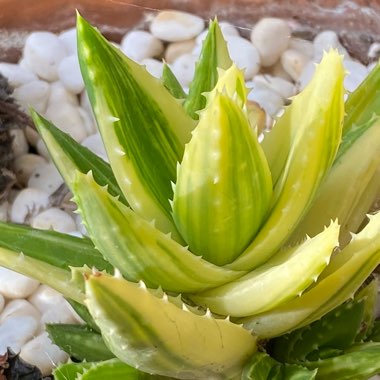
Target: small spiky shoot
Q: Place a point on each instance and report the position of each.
(212, 255)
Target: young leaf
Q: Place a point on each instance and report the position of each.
(79, 342)
(263, 367)
(58, 249)
(154, 335)
(171, 83)
(294, 270)
(337, 283)
(223, 184)
(139, 250)
(214, 55)
(305, 147)
(69, 156)
(143, 127)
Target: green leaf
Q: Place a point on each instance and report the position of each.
(360, 362)
(79, 342)
(143, 127)
(214, 55)
(368, 295)
(263, 367)
(57, 278)
(171, 83)
(223, 184)
(83, 312)
(294, 270)
(336, 330)
(139, 250)
(110, 369)
(300, 151)
(149, 332)
(337, 283)
(364, 102)
(69, 156)
(55, 248)
(358, 166)
(70, 371)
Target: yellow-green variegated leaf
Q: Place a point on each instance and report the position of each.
(282, 278)
(346, 193)
(144, 128)
(57, 278)
(300, 153)
(148, 332)
(139, 250)
(214, 55)
(223, 184)
(337, 283)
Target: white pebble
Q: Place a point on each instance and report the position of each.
(43, 51)
(306, 75)
(357, 72)
(15, 74)
(70, 75)
(16, 285)
(374, 50)
(95, 144)
(267, 99)
(54, 219)
(303, 46)
(294, 62)
(31, 135)
(19, 142)
(176, 26)
(15, 332)
(184, 67)
(59, 94)
(42, 150)
(2, 303)
(19, 308)
(153, 66)
(245, 55)
(271, 37)
(42, 353)
(68, 119)
(278, 71)
(325, 41)
(28, 203)
(69, 39)
(24, 166)
(283, 87)
(46, 177)
(140, 44)
(89, 121)
(4, 211)
(34, 94)
(176, 49)
(48, 300)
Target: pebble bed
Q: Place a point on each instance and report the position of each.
(47, 78)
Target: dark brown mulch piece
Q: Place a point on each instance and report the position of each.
(10, 117)
(12, 367)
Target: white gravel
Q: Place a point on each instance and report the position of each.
(48, 78)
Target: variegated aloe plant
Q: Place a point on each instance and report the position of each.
(211, 255)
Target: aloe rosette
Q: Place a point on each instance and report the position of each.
(210, 254)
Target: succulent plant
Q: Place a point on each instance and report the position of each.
(213, 254)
